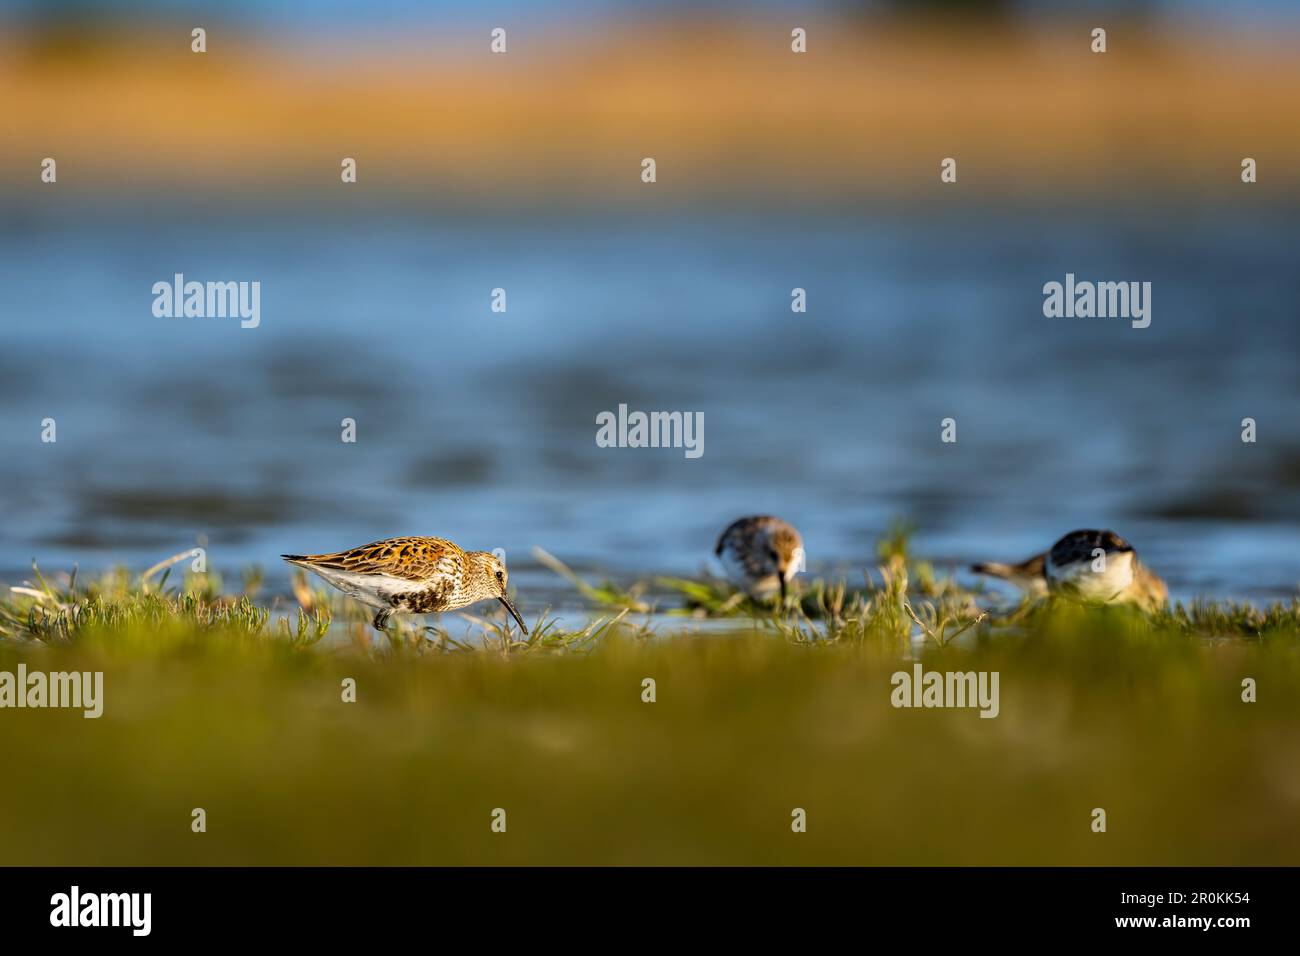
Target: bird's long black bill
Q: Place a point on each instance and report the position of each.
(782, 579)
(511, 608)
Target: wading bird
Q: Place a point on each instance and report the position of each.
(761, 555)
(1091, 567)
(413, 575)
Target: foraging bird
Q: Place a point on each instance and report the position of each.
(1074, 569)
(761, 554)
(413, 575)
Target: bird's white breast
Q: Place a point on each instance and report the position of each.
(1080, 580)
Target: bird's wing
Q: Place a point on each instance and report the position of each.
(411, 559)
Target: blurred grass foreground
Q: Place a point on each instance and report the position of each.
(208, 703)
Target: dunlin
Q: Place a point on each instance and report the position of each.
(1072, 569)
(413, 576)
(761, 554)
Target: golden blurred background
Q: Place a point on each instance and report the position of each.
(717, 98)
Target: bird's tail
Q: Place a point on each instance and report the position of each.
(994, 569)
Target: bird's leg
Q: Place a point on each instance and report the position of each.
(380, 622)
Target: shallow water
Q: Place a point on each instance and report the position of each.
(481, 427)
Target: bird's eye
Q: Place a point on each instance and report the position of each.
(500, 576)
(774, 556)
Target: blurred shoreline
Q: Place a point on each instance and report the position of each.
(727, 110)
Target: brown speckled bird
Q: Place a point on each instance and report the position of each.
(1068, 570)
(413, 575)
(761, 554)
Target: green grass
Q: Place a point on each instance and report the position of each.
(217, 700)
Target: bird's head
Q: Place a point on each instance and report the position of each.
(1113, 543)
(785, 552)
(488, 572)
